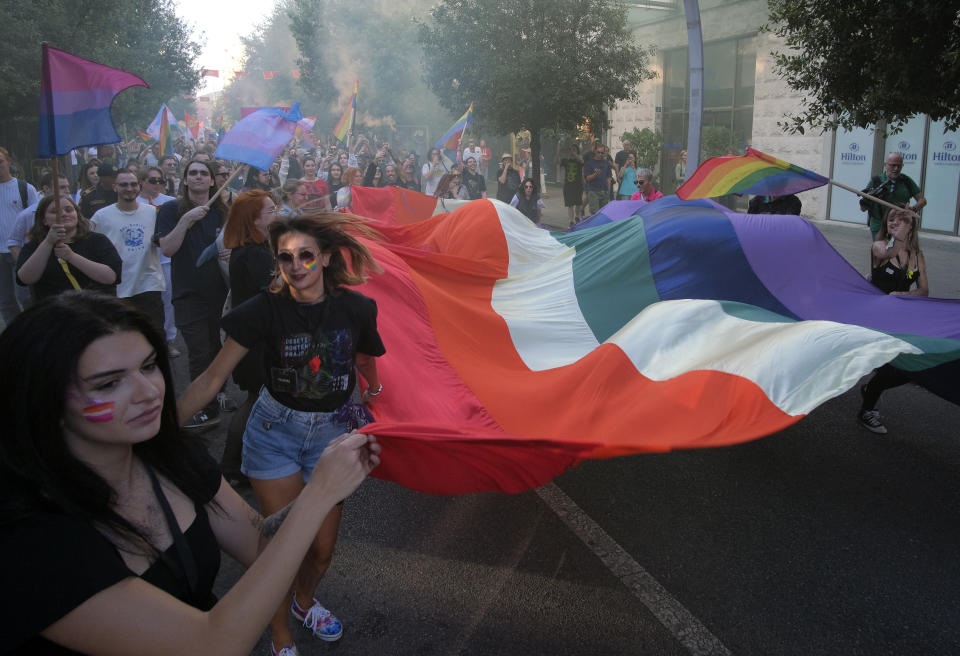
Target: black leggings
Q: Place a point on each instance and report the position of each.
(887, 377)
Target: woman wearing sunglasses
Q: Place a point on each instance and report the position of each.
(315, 335)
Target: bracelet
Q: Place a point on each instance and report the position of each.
(377, 393)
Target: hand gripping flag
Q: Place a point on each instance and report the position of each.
(75, 99)
(753, 173)
(514, 353)
(349, 119)
(260, 137)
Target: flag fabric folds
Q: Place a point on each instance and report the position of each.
(193, 125)
(75, 99)
(514, 353)
(450, 141)
(165, 136)
(349, 119)
(260, 137)
(753, 173)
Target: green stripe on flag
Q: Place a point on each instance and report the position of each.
(599, 259)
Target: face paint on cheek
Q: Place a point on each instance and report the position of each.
(99, 412)
(310, 266)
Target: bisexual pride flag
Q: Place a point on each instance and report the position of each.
(753, 173)
(260, 137)
(513, 353)
(75, 99)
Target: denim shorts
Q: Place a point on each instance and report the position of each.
(278, 441)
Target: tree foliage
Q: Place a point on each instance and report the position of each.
(647, 144)
(862, 62)
(306, 27)
(531, 64)
(144, 37)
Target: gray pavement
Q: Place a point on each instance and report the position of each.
(821, 539)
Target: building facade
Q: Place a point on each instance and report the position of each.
(744, 101)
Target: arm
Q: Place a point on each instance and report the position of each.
(96, 271)
(142, 619)
(32, 270)
(202, 390)
(921, 202)
(367, 366)
(173, 240)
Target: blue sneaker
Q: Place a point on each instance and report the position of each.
(319, 620)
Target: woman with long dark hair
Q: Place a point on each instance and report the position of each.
(112, 523)
(527, 200)
(316, 334)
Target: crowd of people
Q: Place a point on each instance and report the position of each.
(143, 248)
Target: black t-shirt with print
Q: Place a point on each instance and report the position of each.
(309, 348)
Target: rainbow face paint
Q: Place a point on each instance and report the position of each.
(99, 413)
(311, 265)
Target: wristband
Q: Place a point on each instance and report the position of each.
(377, 393)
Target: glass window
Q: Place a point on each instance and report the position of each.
(719, 73)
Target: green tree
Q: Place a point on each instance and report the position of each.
(531, 64)
(143, 37)
(306, 26)
(647, 144)
(862, 62)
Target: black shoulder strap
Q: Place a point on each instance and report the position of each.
(187, 562)
(22, 186)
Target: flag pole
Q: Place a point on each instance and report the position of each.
(869, 197)
(214, 198)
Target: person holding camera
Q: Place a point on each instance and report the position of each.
(893, 186)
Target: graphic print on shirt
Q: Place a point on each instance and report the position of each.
(132, 235)
(314, 366)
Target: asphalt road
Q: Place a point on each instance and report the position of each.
(821, 539)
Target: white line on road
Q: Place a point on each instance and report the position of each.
(680, 622)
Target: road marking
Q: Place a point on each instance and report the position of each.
(680, 622)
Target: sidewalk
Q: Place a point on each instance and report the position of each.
(852, 241)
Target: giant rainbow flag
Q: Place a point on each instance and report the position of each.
(752, 173)
(514, 353)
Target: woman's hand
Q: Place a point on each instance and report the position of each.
(55, 234)
(346, 462)
(63, 251)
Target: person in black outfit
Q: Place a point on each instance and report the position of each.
(251, 271)
(111, 522)
(789, 204)
(897, 264)
(185, 228)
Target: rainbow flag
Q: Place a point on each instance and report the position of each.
(164, 138)
(514, 353)
(451, 138)
(349, 118)
(75, 99)
(753, 173)
(145, 138)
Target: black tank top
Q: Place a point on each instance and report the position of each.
(888, 277)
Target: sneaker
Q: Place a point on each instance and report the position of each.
(173, 351)
(289, 650)
(870, 419)
(202, 421)
(319, 620)
(226, 403)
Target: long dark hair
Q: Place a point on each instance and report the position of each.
(39, 352)
(334, 232)
(184, 204)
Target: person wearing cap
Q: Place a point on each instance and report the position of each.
(508, 178)
(103, 194)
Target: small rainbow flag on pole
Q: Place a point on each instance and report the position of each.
(349, 118)
(451, 138)
(164, 138)
(753, 173)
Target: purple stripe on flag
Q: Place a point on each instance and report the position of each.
(245, 154)
(67, 102)
(260, 137)
(59, 134)
(800, 267)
